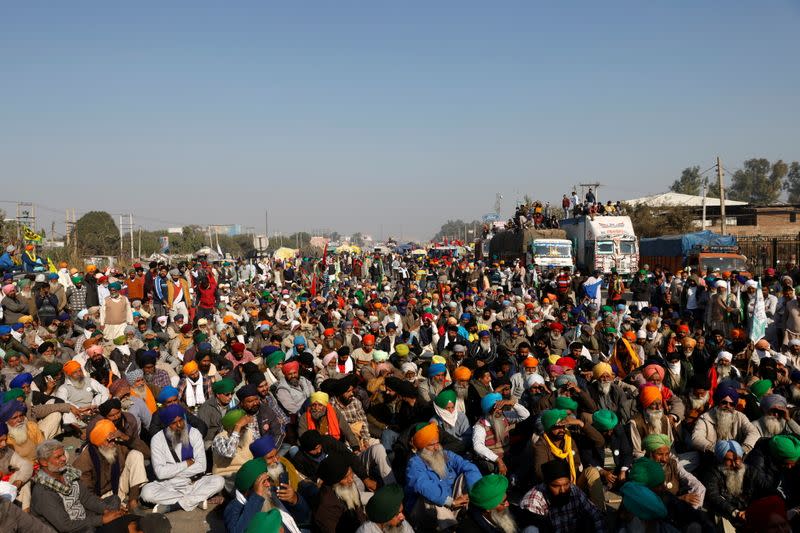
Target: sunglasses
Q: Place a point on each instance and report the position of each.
(726, 402)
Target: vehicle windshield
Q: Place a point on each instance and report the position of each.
(541, 249)
(709, 264)
(605, 247)
(627, 247)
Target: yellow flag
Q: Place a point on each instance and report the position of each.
(51, 266)
(29, 235)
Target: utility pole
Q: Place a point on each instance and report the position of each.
(596, 190)
(130, 228)
(140, 242)
(705, 188)
(721, 179)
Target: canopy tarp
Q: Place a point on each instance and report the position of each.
(284, 253)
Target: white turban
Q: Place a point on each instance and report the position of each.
(721, 284)
(780, 358)
(794, 342)
(328, 358)
(751, 284)
(533, 379)
(728, 356)
(380, 356)
(408, 367)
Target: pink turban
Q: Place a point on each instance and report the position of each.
(329, 358)
(649, 369)
(7, 289)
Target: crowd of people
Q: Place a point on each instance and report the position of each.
(347, 394)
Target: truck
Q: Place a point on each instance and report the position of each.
(547, 248)
(602, 243)
(703, 250)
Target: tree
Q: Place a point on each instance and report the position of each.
(97, 234)
(454, 229)
(690, 182)
(792, 183)
(758, 182)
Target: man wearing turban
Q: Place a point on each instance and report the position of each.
(723, 422)
(79, 391)
(616, 446)
(194, 388)
(652, 418)
(436, 382)
(775, 419)
(212, 411)
(293, 391)
(491, 433)
(607, 393)
(178, 457)
(115, 312)
(109, 469)
(678, 481)
(15, 468)
(23, 434)
(730, 485)
(488, 504)
(437, 481)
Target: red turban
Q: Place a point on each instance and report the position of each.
(567, 362)
(237, 347)
(557, 326)
(368, 339)
(294, 366)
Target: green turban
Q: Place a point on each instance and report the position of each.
(607, 309)
(642, 502)
(119, 341)
(10, 354)
(385, 503)
(567, 403)
(13, 394)
(611, 330)
(200, 337)
(604, 420)
(445, 397)
(785, 447)
(265, 522)
(654, 441)
(77, 279)
(231, 417)
(551, 417)
(760, 388)
(647, 472)
(155, 343)
(274, 358)
(52, 369)
(249, 472)
(489, 491)
(223, 386)
(115, 286)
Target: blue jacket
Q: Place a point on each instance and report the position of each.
(422, 481)
(6, 263)
(237, 516)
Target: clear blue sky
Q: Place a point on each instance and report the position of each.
(376, 116)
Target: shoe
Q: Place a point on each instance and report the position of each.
(204, 505)
(164, 508)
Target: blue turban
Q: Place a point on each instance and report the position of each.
(267, 350)
(16, 326)
(148, 357)
(63, 317)
(436, 369)
(725, 391)
(169, 413)
(204, 348)
(9, 409)
(642, 502)
(488, 401)
(166, 393)
(466, 316)
(725, 446)
(262, 446)
(3, 429)
(299, 340)
(5, 330)
(564, 379)
(22, 379)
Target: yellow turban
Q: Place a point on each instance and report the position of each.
(602, 369)
(25, 319)
(462, 373)
(438, 359)
(320, 397)
(190, 368)
(426, 435)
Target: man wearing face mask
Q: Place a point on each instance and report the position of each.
(679, 370)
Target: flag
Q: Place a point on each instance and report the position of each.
(51, 266)
(314, 286)
(593, 290)
(29, 235)
(325, 256)
(759, 326)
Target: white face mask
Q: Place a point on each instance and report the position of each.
(674, 367)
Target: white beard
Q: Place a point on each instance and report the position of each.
(653, 420)
(734, 479)
(348, 494)
(725, 421)
(141, 392)
(605, 387)
(19, 433)
(795, 395)
(175, 438)
(436, 387)
(503, 520)
(274, 471)
(436, 461)
(461, 392)
(723, 371)
(109, 453)
(699, 403)
(774, 426)
(267, 505)
(78, 383)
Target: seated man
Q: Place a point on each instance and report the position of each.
(731, 486)
(212, 411)
(280, 469)
(80, 391)
(437, 481)
(230, 449)
(314, 447)
(15, 469)
(491, 434)
(112, 472)
(614, 457)
(59, 498)
(23, 434)
(557, 504)
(293, 391)
(776, 419)
(677, 481)
(723, 422)
(385, 512)
(339, 509)
(488, 507)
(47, 415)
(179, 462)
(254, 494)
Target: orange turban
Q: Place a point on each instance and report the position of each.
(102, 430)
(71, 366)
(530, 362)
(426, 435)
(190, 368)
(91, 341)
(462, 373)
(689, 342)
(630, 335)
(649, 395)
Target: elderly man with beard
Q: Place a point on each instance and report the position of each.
(558, 505)
(15, 469)
(437, 481)
(731, 486)
(179, 462)
(80, 391)
(60, 499)
(47, 415)
(488, 510)
(608, 394)
(115, 312)
(230, 448)
(776, 419)
(723, 370)
(723, 422)
(113, 472)
(340, 508)
(294, 390)
(315, 447)
(212, 411)
(491, 434)
(155, 376)
(14, 367)
(484, 349)
(269, 417)
(194, 388)
(385, 512)
(651, 419)
(677, 481)
(280, 469)
(257, 493)
(97, 366)
(23, 434)
(436, 382)
(133, 405)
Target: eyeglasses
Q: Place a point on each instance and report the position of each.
(726, 402)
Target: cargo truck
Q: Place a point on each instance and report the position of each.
(603, 243)
(703, 250)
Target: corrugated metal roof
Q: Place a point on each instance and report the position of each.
(674, 199)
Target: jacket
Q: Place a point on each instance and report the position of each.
(422, 481)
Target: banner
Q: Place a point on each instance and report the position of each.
(29, 235)
(163, 244)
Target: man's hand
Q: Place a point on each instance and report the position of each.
(287, 494)
(691, 498)
(501, 467)
(243, 422)
(370, 484)
(573, 422)
(189, 462)
(461, 501)
(262, 485)
(109, 515)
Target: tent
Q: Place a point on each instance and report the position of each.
(285, 253)
(419, 251)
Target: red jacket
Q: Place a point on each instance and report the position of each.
(208, 296)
